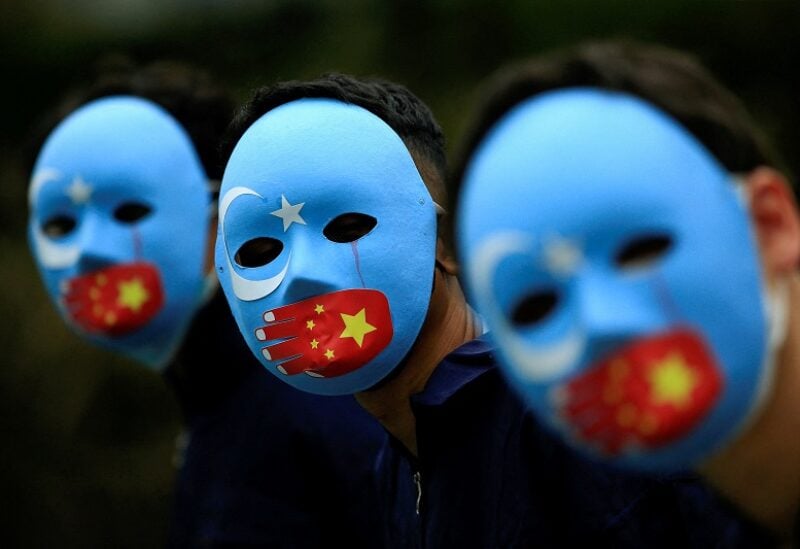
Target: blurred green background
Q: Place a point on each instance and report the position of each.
(87, 438)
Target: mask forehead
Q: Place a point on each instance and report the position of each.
(319, 147)
(120, 142)
(294, 170)
(110, 153)
(597, 170)
(591, 154)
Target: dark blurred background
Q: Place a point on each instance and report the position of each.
(87, 438)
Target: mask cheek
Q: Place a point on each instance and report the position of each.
(56, 282)
(53, 254)
(54, 277)
(543, 362)
(539, 335)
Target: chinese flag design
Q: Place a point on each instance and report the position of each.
(115, 300)
(328, 335)
(648, 394)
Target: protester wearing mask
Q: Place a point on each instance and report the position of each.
(122, 224)
(641, 299)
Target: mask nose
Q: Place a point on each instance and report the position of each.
(614, 310)
(313, 271)
(302, 287)
(101, 245)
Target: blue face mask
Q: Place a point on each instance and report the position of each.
(119, 213)
(326, 245)
(613, 259)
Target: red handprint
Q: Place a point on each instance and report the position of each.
(646, 395)
(327, 335)
(115, 300)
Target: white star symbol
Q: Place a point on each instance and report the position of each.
(562, 256)
(289, 213)
(79, 191)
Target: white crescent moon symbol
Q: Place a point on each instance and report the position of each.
(244, 289)
(52, 255)
(542, 362)
(44, 175)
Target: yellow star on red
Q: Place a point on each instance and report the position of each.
(672, 381)
(356, 326)
(132, 294)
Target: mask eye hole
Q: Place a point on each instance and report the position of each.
(534, 308)
(58, 226)
(643, 251)
(349, 227)
(131, 212)
(258, 252)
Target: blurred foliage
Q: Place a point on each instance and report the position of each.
(88, 437)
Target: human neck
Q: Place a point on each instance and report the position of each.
(760, 470)
(448, 324)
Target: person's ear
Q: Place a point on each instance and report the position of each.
(775, 218)
(211, 241)
(444, 259)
